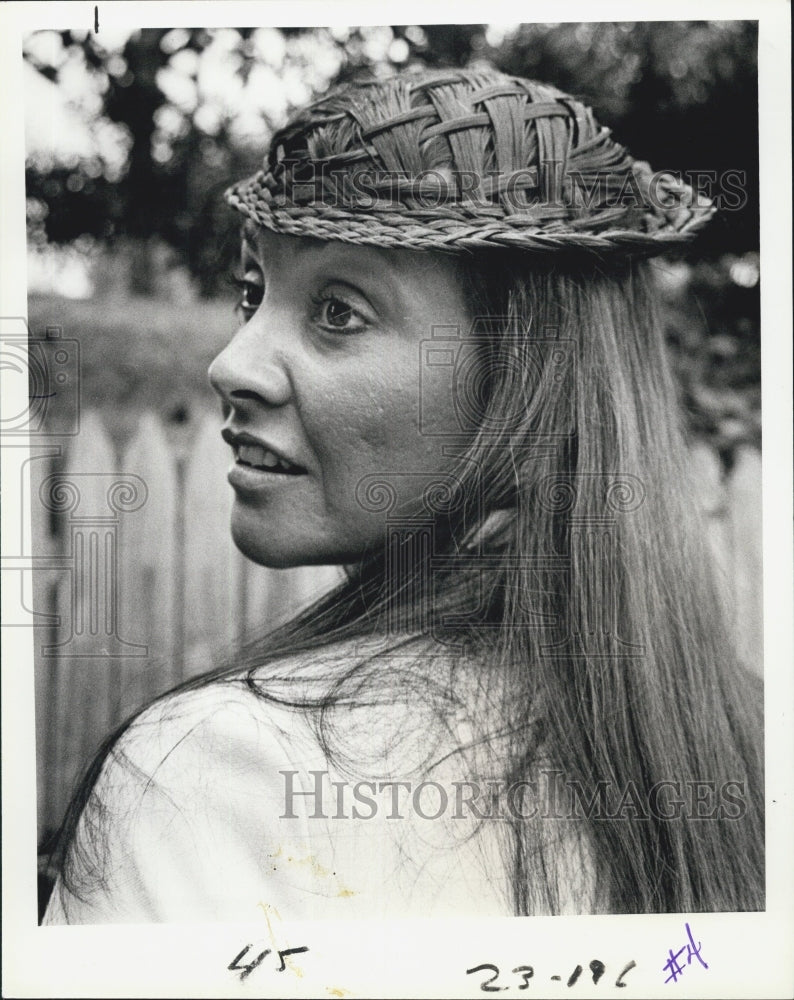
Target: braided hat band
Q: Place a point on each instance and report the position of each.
(464, 159)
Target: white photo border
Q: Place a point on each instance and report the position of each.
(750, 955)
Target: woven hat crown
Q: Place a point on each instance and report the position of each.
(464, 159)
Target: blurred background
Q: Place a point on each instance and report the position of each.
(131, 139)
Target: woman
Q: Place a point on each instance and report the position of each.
(450, 380)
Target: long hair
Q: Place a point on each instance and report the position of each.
(599, 630)
(562, 560)
(597, 627)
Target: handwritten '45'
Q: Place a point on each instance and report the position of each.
(246, 970)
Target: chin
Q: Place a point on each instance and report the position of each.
(265, 548)
(282, 548)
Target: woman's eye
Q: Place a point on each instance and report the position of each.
(251, 292)
(252, 295)
(335, 314)
(338, 313)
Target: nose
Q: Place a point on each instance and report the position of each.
(251, 369)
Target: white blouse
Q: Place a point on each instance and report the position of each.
(217, 802)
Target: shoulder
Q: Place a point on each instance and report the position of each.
(188, 818)
(202, 746)
(223, 723)
(184, 813)
(244, 727)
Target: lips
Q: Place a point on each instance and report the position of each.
(256, 454)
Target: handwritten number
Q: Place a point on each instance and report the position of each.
(629, 967)
(233, 966)
(598, 969)
(693, 949)
(246, 970)
(527, 972)
(486, 985)
(289, 951)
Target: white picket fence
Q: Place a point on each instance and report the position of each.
(144, 587)
(148, 587)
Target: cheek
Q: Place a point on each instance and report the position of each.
(367, 419)
(371, 415)
(350, 410)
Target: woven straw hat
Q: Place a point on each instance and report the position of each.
(464, 159)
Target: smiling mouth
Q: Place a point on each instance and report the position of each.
(255, 456)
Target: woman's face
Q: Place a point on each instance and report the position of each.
(324, 376)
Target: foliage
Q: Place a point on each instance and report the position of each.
(176, 115)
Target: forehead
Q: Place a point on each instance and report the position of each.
(399, 266)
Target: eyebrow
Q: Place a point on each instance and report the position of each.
(251, 230)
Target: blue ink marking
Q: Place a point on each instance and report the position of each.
(693, 949)
(674, 967)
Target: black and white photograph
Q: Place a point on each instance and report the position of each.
(390, 537)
